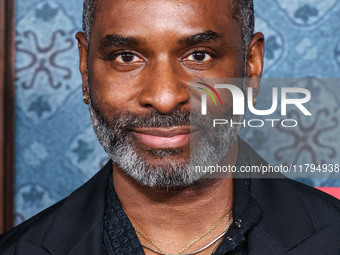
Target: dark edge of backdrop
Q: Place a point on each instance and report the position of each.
(7, 114)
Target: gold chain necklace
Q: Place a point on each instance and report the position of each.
(160, 251)
(216, 241)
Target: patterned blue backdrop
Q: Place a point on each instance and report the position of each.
(56, 149)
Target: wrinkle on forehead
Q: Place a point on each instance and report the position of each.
(158, 15)
(203, 5)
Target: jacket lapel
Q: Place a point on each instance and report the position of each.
(78, 226)
(285, 217)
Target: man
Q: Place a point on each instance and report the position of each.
(137, 59)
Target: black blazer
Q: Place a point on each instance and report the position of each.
(296, 220)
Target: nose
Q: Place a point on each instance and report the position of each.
(165, 88)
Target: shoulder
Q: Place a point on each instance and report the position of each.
(84, 207)
(294, 216)
(290, 198)
(318, 203)
(33, 227)
(276, 191)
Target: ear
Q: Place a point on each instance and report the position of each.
(83, 49)
(255, 56)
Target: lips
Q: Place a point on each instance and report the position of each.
(163, 138)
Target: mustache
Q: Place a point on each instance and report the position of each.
(129, 120)
(125, 121)
(122, 123)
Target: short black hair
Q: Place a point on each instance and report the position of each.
(242, 11)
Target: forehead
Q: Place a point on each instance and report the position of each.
(182, 17)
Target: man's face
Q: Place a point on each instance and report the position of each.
(142, 57)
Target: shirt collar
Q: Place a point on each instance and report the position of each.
(119, 236)
(246, 210)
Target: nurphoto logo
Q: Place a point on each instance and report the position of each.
(239, 102)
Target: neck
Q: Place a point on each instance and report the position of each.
(181, 214)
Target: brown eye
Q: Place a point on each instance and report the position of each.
(127, 58)
(199, 56)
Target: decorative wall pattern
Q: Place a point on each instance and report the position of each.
(56, 149)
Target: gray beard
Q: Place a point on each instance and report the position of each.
(213, 146)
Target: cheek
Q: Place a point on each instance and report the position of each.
(226, 98)
(113, 90)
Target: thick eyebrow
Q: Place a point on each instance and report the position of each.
(207, 36)
(115, 40)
